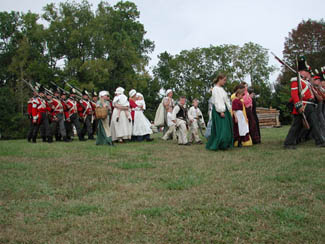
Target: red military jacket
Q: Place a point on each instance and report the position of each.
(39, 106)
(85, 108)
(65, 109)
(306, 94)
(56, 106)
(30, 106)
(73, 106)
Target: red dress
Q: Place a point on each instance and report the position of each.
(133, 105)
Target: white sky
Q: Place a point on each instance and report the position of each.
(175, 25)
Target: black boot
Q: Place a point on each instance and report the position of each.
(34, 140)
(91, 137)
(81, 138)
(29, 139)
(50, 139)
(66, 139)
(44, 139)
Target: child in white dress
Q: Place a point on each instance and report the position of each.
(142, 125)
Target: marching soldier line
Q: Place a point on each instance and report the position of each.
(54, 114)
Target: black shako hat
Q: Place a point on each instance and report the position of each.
(85, 92)
(317, 75)
(322, 77)
(302, 64)
(41, 89)
(72, 91)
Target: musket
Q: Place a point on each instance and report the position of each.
(30, 85)
(60, 88)
(304, 119)
(77, 90)
(47, 91)
(285, 64)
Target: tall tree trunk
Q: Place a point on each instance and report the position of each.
(21, 90)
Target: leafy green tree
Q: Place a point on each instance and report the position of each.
(191, 72)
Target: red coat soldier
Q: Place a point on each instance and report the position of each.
(86, 113)
(72, 115)
(303, 103)
(93, 104)
(40, 113)
(58, 117)
(30, 114)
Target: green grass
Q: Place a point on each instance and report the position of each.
(160, 192)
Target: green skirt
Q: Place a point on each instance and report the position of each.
(221, 132)
(102, 138)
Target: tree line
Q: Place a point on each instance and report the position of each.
(107, 47)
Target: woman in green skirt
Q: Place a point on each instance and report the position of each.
(104, 131)
(221, 130)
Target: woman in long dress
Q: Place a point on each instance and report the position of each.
(161, 113)
(104, 131)
(241, 129)
(247, 141)
(141, 125)
(221, 130)
(253, 97)
(251, 120)
(122, 128)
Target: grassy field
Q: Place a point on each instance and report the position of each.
(160, 192)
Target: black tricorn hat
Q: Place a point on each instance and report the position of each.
(94, 94)
(302, 64)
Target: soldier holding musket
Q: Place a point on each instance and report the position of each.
(86, 113)
(63, 99)
(40, 113)
(58, 117)
(30, 115)
(94, 119)
(73, 119)
(304, 105)
(319, 94)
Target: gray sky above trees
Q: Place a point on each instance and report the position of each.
(175, 25)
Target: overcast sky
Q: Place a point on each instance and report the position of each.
(175, 25)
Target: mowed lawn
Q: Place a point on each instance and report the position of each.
(160, 192)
